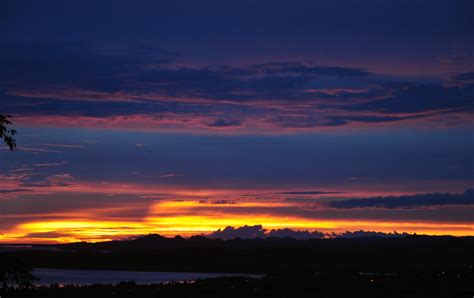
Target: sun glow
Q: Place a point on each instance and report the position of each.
(186, 218)
(187, 213)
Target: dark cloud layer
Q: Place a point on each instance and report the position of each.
(14, 191)
(70, 79)
(408, 201)
(244, 65)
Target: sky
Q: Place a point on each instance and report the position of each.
(186, 117)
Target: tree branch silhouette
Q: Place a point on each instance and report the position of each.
(7, 133)
(13, 273)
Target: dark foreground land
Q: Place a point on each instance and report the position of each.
(323, 285)
(412, 266)
(409, 254)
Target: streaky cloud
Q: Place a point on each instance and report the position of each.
(64, 84)
(309, 192)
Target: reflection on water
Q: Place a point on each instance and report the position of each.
(87, 277)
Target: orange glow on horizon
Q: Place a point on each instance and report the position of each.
(200, 213)
(73, 230)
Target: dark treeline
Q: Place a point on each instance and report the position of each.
(292, 285)
(268, 256)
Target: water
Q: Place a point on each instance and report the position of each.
(87, 277)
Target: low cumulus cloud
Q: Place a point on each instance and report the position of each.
(245, 232)
(257, 231)
(406, 201)
(361, 233)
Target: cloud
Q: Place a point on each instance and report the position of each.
(225, 123)
(407, 201)
(224, 202)
(14, 191)
(361, 233)
(48, 235)
(462, 80)
(43, 64)
(69, 84)
(171, 175)
(64, 146)
(296, 234)
(309, 192)
(53, 164)
(218, 202)
(257, 231)
(415, 99)
(46, 180)
(245, 232)
(466, 76)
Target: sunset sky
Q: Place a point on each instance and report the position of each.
(184, 117)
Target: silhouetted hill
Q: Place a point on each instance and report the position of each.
(271, 255)
(157, 242)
